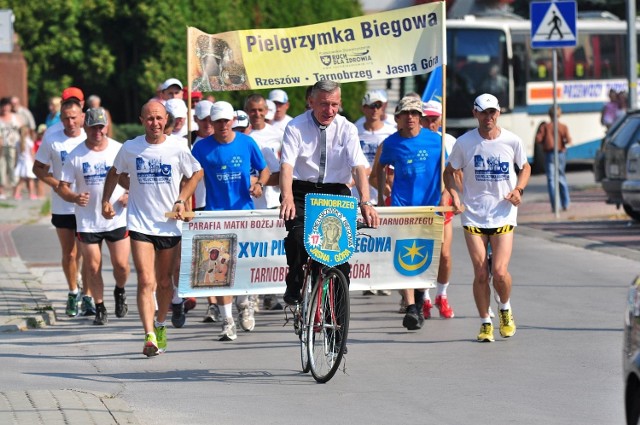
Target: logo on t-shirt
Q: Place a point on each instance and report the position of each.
(96, 174)
(491, 169)
(152, 171)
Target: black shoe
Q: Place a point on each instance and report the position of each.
(411, 320)
(101, 316)
(121, 303)
(291, 297)
(178, 317)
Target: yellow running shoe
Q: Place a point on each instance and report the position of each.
(161, 336)
(486, 333)
(150, 345)
(507, 324)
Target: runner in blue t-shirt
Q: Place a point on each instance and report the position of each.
(415, 156)
(227, 158)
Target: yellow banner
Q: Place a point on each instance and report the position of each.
(397, 43)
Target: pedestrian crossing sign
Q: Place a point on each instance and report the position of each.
(553, 24)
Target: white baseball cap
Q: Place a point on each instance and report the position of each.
(271, 110)
(177, 108)
(374, 96)
(279, 96)
(203, 109)
(222, 110)
(432, 108)
(171, 82)
(486, 101)
(242, 119)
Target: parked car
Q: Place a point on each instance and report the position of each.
(631, 186)
(610, 163)
(631, 354)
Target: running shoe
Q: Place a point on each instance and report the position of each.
(228, 330)
(291, 297)
(486, 333)
(121, 303)
(426, 309)
(72, 305)
(411, 320)
(444, 308)
(161, 335)
(507, 324)
(246, 317)
(213, 314)
(150, 345)
(101, 316)
(87, 308)
(384, 292)
(270, 302)
(189, 304)
(369, 292)
(403, 304)
(177, 315)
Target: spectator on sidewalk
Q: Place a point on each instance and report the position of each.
(545, 136)
(10, 124)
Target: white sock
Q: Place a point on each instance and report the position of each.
(176, 299)
(486, 320)
(505, 306)
(74, 292)
(226, 311)
(241, 299)
(427, 297)
(442, 289)
(157, 324)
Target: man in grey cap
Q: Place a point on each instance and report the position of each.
(86, 167)
(492, 189)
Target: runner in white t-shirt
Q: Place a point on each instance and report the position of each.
(86, 167)
(156, 165)
(492, 190)
(269, 139)
(47, 167)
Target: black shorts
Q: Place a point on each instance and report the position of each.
(159, 242)
(114, 235)
(64, 221)
(489, 232)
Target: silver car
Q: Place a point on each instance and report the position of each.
(631, 186)
(631, 354)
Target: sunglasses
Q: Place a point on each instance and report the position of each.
(375, 106)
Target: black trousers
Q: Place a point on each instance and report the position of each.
(294, 242)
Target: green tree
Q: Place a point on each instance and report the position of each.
(121, 50)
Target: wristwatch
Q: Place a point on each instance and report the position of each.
(521, 190)
(260, 184)
(179, 201)
(368, 203)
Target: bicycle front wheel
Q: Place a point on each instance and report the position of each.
(328, 324)
(304, 324)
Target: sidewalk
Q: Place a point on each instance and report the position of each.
(23, 304)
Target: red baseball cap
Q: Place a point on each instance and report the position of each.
(194, 94)
(70, 92)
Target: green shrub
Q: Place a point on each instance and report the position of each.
(124, 132)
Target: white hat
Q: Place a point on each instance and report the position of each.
(271, 110)
(374, 96)
(279, 96)
(486, 101)
(203, 109)
(171, 82)
(177, 108)
(242, 119)
(432, 108)
(222, 110)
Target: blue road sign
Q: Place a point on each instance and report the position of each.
(553, 24)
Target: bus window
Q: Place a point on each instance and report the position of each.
(475, 54)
